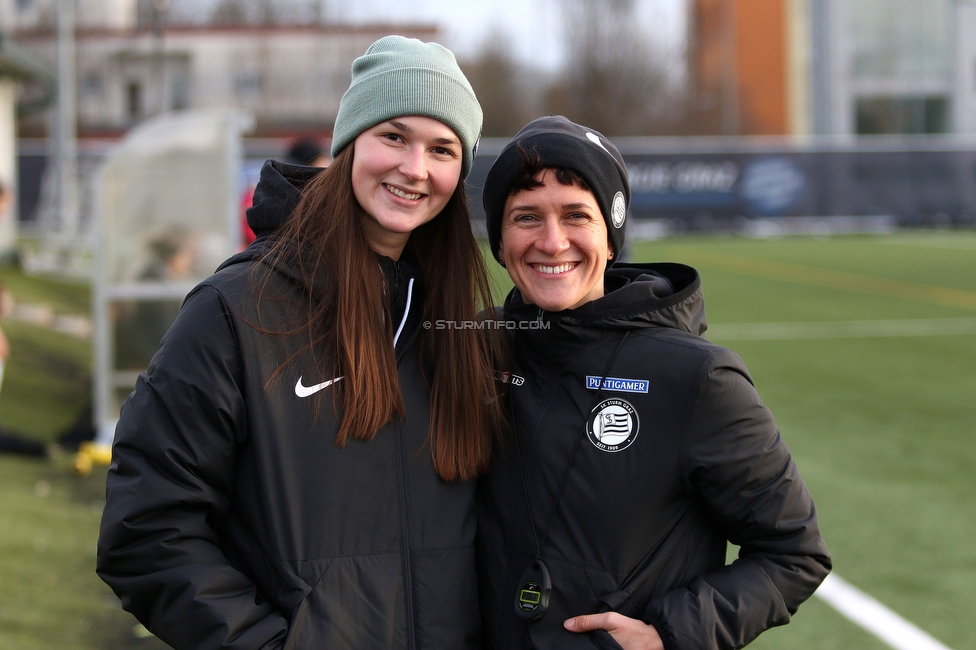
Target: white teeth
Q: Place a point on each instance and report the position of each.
(552, 270)
(403, 195)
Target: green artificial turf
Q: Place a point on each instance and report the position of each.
(881, 427)
(50, 597)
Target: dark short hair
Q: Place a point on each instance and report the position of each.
(532, 166)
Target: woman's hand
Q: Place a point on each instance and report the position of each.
(630, 633)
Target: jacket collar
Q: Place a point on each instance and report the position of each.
(660, 294)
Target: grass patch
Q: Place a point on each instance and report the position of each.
(881, 428)
(51, 597)
(47, 381)
(65, 297)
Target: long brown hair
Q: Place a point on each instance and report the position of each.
(349, 326)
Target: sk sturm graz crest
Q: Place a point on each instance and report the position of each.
(612, 425)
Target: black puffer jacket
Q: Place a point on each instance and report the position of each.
(633, 483)
(232, 519)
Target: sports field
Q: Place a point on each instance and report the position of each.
(863, 347)
(865, 350)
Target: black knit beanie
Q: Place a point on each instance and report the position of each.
(561, 143)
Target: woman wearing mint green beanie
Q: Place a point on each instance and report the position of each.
(294, 469)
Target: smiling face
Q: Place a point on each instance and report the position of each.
(404, 172)
(554, 244)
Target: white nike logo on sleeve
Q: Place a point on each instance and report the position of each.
(305, 391)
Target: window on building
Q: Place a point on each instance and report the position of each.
(901, 39)
(91, 85)
(180, 91)
(247, 83)
(906, 115)
(134, 100)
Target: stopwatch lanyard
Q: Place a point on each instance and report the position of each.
(536, 585)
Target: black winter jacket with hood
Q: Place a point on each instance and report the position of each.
(232, 519)
(634, 488)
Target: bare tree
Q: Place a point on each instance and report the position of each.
(498, 80)
(617, 79)
(267, 12)
(229, 12)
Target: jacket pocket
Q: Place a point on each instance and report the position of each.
(576, 591)
(356, 602)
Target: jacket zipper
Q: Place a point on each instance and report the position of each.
(406, 558)
(405, 555)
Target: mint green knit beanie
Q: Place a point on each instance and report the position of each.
(397, 77)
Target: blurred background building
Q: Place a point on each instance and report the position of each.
(834, 67)
(756, 67)
(26, 86)
(819, 72)
(136, 59)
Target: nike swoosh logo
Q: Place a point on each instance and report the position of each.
(306, 391)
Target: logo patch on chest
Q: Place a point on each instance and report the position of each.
(509, 378)
(617, 384)
(613, 425)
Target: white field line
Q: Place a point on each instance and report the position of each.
(874, 617)
(841, 329)
(967, 243)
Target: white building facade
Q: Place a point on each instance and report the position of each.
(893, 66)
(130, 66)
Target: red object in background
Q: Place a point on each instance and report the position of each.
(247, 235)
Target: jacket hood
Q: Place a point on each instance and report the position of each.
(276, 196)
(661, 294)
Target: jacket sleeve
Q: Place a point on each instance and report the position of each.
(734, 459)
(169, 487)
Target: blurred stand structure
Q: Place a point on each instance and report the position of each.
(167, 203)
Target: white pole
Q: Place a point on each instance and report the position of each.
(66, 144)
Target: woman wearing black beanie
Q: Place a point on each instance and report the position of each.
(639, 449)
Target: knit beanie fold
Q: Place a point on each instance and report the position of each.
(399, 77)
(562, 143)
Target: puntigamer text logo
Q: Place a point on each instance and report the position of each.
(617, 384)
